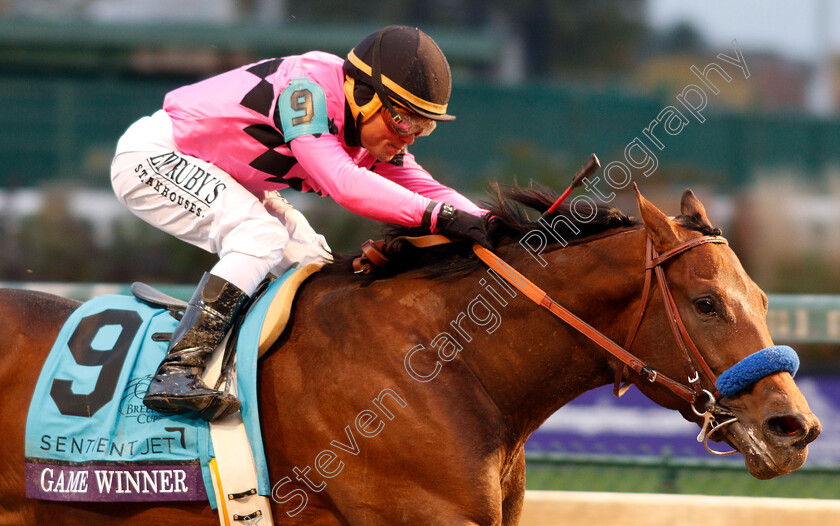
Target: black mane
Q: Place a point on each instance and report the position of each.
(508, 225)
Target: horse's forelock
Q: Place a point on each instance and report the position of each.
(694, 223)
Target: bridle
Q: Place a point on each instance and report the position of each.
(690, 355)
(374, 255)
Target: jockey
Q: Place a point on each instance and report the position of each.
(206, 168)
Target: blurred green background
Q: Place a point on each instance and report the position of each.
(537, 88)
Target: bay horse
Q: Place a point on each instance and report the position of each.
(405, 396)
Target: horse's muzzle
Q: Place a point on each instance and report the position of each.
(775, 426)
(792, 430)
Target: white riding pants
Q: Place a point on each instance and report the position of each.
(203, 205)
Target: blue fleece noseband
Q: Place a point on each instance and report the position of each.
(755, 367)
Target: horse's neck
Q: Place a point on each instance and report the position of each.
(533, 363)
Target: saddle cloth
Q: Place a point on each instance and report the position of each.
(88, 435)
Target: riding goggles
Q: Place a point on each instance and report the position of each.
(406, 124)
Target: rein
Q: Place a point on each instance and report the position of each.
(373, 255)
(653, 265)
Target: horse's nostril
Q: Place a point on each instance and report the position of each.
(786, 426)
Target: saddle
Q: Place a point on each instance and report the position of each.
(157, 298)
(277, 315)
(234, 465)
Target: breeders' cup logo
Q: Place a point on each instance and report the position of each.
(131, 403)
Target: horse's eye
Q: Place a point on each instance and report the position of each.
(705, 305)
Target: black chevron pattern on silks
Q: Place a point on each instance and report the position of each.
(265, 135)
(275, 164)
(261, 96)
(295, 183)
(260, 99)
(271, 162)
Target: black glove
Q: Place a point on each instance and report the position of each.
(459, 224)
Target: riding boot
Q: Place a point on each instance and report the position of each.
(177, 385)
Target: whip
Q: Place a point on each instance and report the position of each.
(585, 171)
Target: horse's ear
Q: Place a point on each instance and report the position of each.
(660, 229)
(691, 206)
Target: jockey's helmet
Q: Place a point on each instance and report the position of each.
(402, 65)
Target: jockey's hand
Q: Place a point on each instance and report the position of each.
(452, 222)
(305, 245)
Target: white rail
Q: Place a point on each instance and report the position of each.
(556, 508)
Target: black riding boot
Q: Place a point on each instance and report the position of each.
(177, 386)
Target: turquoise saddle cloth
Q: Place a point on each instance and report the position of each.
(88, 435)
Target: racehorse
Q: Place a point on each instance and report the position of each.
(405, 396)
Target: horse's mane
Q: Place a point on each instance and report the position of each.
(509, 224)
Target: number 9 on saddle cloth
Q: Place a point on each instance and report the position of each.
(88, 435)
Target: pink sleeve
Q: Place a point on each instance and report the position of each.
(412, 176)
(357, 189)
